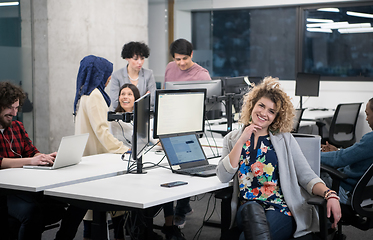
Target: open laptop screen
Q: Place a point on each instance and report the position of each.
(182, 149)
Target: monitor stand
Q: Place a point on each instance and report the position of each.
(139, 166)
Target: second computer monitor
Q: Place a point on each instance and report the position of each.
(179, 111)
(141, 120)
(213, 88)
(307, 84)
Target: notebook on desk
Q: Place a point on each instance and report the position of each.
(186, 156)
(69, 152)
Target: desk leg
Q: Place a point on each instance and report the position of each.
(149, 214)
(99, 228)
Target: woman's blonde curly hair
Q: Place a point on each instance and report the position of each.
(270, 88)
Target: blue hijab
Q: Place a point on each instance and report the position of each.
(93, 73)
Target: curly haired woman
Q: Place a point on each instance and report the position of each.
(272, 179)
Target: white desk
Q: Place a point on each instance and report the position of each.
(138, 190)
(221, 127)
(310, 117)
(317, 114)
(99, 180)
(90, 168)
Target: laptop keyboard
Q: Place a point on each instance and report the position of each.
(200, 169)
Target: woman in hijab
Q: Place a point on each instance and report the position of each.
(91, 106)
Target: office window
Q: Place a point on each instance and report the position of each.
(254, 42)
(338, 42)
(16, 53)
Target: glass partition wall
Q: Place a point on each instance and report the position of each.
(338, 41)
(333, 40)
(16, 53)
(246, 42)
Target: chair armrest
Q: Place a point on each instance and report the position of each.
(320, 203)
(334, 173)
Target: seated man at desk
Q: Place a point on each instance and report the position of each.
(183, 68)
(353, 161)
(17, 150)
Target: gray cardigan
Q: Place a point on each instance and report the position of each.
(296, 177)
(120, 77)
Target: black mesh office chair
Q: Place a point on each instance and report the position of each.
(360, 213)
(343, 125)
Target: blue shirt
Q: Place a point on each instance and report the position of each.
(353, 161)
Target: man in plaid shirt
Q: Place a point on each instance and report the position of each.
(17, 150)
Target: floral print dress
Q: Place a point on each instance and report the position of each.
(258, 175)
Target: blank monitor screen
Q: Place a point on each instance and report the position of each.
(179, 111)
(141, 118)
(213, 88)
(307, 84)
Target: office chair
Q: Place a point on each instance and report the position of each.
(297, 119)
(360, 213)
(343, 125)
(310, 145)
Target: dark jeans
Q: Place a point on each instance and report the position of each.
(281, 226)
(182, 207)
(34, 210)
(26, 208)
(4, 227)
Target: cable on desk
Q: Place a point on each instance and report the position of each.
(157, 164)
(132, 167)
(151, 147)
(212, 136)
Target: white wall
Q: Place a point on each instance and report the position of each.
(158, 37)
(65, 32)
(331, 92)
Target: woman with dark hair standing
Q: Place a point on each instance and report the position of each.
(135, 54)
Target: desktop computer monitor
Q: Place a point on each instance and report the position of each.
(307, 84)
(213, 88)
(141, 119)
(179, 111)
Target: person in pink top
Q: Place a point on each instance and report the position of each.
(183, 68)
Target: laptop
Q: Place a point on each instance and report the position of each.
(186, 156)
(69, 153)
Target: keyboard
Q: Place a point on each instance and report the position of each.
(200, 169)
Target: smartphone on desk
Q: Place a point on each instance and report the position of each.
(173, 184)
